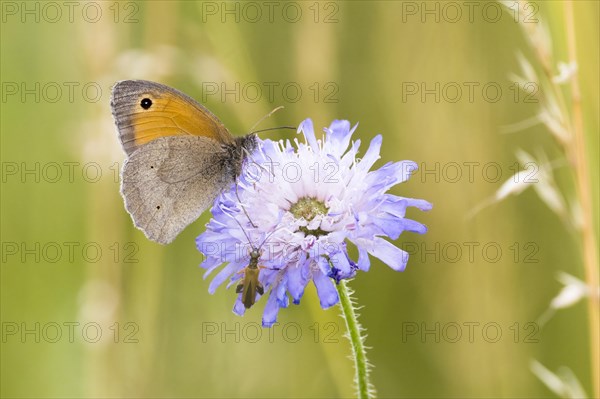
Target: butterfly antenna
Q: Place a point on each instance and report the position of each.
(273, 128)
(266, 116)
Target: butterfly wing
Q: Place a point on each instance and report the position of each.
(144, 111)
(169, 182)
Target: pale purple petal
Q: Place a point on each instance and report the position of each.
(339, 260)
(306, 127)
(239, 308)
(271, 310)
(363, 259)
(338, 135)
(389, 254)
(328, 295)
(222, 276)
(210, 264)
(296, 282)
(372, 154)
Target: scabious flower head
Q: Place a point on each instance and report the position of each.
(304, 206)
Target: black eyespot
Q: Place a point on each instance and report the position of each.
(146, 103)
(151, 166)
(157, 206)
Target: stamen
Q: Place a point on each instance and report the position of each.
(308, 208)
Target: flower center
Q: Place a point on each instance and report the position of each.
(308, 208)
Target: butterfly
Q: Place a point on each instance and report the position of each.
(180, 156)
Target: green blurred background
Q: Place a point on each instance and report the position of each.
(351, 60)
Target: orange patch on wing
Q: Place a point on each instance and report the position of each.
(170, 116)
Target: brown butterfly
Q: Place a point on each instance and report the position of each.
(180, 156)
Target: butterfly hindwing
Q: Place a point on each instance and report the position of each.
(169, 183)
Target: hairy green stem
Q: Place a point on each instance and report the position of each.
(359, 354)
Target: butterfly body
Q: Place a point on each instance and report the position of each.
(180, 156)
(237, 153)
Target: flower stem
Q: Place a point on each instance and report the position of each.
(590, 254)
(359, 354)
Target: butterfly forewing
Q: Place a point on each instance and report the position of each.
(144, 111)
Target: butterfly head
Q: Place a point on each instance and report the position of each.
(248, 142)
(241, 148)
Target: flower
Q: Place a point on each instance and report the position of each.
(302, 208)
